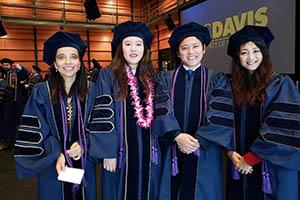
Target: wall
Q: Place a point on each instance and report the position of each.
(161, 42)
(18, 45)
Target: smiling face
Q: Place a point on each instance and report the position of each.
(133, 50)
(67, 62)
(191, 51)
(251, 56)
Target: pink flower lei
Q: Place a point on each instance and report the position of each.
(142, 121)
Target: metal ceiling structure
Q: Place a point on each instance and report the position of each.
(72, 13)
(60, 13)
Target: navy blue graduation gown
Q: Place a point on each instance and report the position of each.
(39, 143)
(115, 134)
(13, 108)
(270, 129)
(34, 79)
(15, 79)
(199, 177)
(7, 122)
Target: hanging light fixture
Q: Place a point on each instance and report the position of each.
(91, 9)
(2, 29)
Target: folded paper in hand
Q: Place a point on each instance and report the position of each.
(71, 175)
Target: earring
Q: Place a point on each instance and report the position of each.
(55, 67)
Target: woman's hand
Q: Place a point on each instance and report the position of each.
(75, 151)
(110, 164)
(240, 164)
(234, 157)
(60, 163)
(187, 143)
(244, 167)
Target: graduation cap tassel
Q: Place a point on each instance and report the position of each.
(175, 170)
(266, 184)
(154, 155)
(75, 187)
(266, 180)
(197, 152)
(234, 173)
(154, 151)
(120, 159)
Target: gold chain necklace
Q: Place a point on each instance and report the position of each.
(69, 109)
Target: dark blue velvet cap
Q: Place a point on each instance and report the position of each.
(129, 28)
(6, 60)
(249, 33)
(188, 30)
(62, 39)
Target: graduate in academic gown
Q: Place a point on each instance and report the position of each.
(51, 135)
(267, 122)
(121, 123)
(34, 78)
(15, 75)
(194, 119)
(7, 122)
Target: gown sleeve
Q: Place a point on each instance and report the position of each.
(279, 136)
(23, 73)
(103, 134)
(252, 159)
(165, 124)
(37, 146)
(5, 92)
(219, 118)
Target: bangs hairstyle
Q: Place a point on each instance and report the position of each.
(57, 84)
(247, 89)
(144, 71)
(202, 43)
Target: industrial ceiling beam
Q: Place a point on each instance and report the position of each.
(46, 22)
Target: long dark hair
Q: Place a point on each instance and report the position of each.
(57, 84)
(248, 88)
(144, 70)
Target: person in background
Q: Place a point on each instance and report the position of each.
(8, 67)
(121, 124)
(51, 135)
(95, 71)
(35, 77)
(7, 122)
(267, 122)
(15, 76)
(194, 119)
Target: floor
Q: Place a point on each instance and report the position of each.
(11, 188)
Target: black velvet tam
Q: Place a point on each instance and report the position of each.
(249, 33)
(188, 30)
(129, 28)
(62, 39)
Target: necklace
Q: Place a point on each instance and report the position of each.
(142, 121)
(69, 108)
